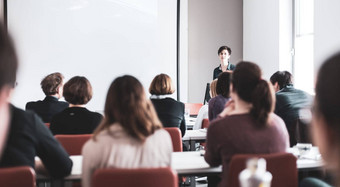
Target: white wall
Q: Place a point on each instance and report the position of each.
(211, 25)
(261, 34)
(98, 39)
(326, 30)
(267, 34)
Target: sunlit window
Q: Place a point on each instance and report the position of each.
(303, 65)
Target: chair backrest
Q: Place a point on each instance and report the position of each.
(143, 177)
(281, 165)
(176, 138)
(205, 123)
(194, 108)
(73, 143)
(17, 176)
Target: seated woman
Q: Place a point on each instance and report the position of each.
(130, 136)
(217, 104)
(76, 119)
(170, 111)
(248, 124)
(52, 86)
(203, 112)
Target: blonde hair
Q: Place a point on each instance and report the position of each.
(213, 88)
(161, 85)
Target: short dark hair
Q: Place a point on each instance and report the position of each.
(223, 84)
(283, 78)
(224, 48)
(8, 59)
(78, 90)
(161, 85)
(51, 83)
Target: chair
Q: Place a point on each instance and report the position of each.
(17, 177)
(281, 165)
(176, 138)
(194, 108)
(73, 143)
(205, 123)
(143, 177)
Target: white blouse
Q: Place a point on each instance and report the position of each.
(114, 148)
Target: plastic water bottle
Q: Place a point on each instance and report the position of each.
(255, 175)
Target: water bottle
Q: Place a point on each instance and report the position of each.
(255, 175)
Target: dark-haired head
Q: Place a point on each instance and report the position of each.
(8, 59)
(251, 88)
(126, 104)
(326, 115)
(52, 83)
(78, 90)
(282, 78)
(224, 48)
(223, 84)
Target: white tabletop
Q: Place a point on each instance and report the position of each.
(190, 122)
(192, 163)
(200, 134)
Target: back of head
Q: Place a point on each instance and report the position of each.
(51, 83)
(282, 78)
(213, 88)
(78, 91)
(251, 88)
(161, 85)
(126, 103)
(8, 59)
(327, 92)
(223, 84)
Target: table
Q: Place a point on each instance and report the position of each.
(190, 122)
(185, 164)
(193, 136)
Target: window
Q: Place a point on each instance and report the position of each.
(303, 44)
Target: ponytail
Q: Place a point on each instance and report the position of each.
(263, 101)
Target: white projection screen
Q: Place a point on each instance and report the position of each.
(98, 39)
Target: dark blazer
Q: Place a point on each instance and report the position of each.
(170, 112)
(75, 120)
(288, 103)
(29, 137)
(47, 108)
(218, 70)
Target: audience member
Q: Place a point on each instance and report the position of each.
(217, 104)
(27, 136)
(326, 118)
(289, 101)
(224, 53)
(170, 111)
(130, 136)
(249, 126)
(76, 119)
(203, 112)
(52, 86)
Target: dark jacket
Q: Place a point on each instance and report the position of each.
(47, 108)
(170, 112)
(75, 120)
(218, 70)
(289, 101)
(29, 137)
